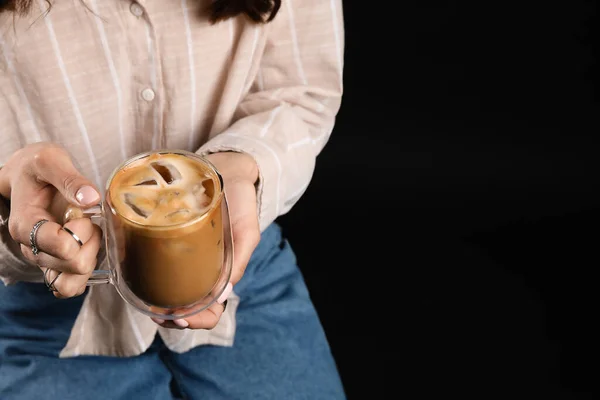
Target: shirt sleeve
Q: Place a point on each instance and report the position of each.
(287, 117)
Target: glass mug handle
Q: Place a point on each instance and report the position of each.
(99, 276)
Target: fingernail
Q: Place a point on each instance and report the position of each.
(158, 320)
(87, 195)
(182, 323)
(225, 293)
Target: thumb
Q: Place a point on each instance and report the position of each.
(56, 168)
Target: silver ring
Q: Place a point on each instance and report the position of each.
(33, 236)
(50, 285)
(70, 232)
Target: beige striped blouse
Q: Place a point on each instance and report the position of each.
(116, 78)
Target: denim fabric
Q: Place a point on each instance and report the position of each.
(280, 350)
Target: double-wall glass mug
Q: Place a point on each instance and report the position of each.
(166, 233)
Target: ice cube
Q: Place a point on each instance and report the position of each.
(170, 197)
(202, 200)
(147, 182)
(180, 215)
(141, 206)
(198, 189)
(168, 172)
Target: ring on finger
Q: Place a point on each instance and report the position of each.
(70, 232)
(33, 236)
(50, 284)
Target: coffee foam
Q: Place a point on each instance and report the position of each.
(161, 190)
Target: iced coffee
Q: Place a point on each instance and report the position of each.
(167, 214)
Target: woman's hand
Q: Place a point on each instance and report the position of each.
(33, 179)
(240, 173)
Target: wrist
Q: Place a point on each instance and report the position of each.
(235, 165)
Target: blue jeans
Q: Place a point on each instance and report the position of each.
(280, 349)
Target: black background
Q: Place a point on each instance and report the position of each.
(449, 236)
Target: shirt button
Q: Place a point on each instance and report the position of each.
(136, 9)
(148, 94)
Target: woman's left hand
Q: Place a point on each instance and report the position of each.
(240, 173)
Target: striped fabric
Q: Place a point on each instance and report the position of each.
(109, 79)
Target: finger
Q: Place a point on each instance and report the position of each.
(83, 263)
(53, 165)
(50, 237)
(29, 204)
(66, 285)
(225, 295)
(206, 319)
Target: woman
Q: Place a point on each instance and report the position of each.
(254, 85)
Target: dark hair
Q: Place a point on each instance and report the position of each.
(259, 11)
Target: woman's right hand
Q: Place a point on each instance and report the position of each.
(35, 179)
